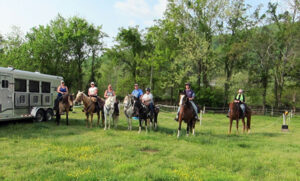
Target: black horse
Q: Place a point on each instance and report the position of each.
(143, 112)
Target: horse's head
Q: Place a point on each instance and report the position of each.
(79, 97)
(71, 99)
(137, 105)
(183, 99)
(128, 100)
(110, 101)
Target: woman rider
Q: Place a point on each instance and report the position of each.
(61, 90)
(111, 92)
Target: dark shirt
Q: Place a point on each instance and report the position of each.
(190, 93)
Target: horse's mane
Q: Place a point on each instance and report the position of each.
(65, 98)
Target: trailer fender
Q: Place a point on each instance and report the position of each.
(35, 110)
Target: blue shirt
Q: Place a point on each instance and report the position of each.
(137, 93)
(190, 93)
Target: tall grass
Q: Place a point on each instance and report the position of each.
(44, 151)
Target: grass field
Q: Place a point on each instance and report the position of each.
(44, 151)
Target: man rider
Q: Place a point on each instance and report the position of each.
(138, 93)
(191, 95)
(147, 99)
(240, 98)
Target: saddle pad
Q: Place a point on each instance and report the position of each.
(94, 99)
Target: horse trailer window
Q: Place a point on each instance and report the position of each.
(4, 83)
(35, 99)
(45, 87)
(34, 86)
(22, 99)
(20, 85)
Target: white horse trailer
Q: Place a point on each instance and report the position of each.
(26, 94)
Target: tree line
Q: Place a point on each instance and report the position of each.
(217, 46)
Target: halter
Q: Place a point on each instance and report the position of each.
(129, 103)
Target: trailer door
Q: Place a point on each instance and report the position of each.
(6, 95)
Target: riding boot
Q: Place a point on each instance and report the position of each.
(176, 118)
(117, 109)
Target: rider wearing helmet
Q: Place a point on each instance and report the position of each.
(147, 99)
(191, 95)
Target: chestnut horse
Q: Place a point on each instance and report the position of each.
(186, 114)
(64, 105)
(90, 108)
(236, 113)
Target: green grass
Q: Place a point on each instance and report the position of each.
(44, 151)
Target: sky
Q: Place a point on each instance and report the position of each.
(111, 14)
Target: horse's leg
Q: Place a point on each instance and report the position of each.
(109, 120)
(248, 123)
(87, 120)
(193, 127)
(237, 126)
(105, 124)
(91, 122)
(116, 120)
(67, 117)
(155, 121)
(98, 118)
(244, 125)
(230, 125)
(130, 123)
(140, 125)
(57, 118)
(179, 127)
(147, 122)
(188, 125)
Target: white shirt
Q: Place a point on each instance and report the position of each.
(148, 96)
(92, 91)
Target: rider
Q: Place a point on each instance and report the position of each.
(147, 99)
(138, 93)
(111, 92)
(191, 95)
(240, 99)
(61, 90)
(93, 92)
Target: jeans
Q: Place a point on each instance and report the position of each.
(242, 106)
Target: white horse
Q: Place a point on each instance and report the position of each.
(108, 112)
(128, 109)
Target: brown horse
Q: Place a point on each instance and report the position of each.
(235, 113)
(64, 105)
(187, 114)
(90, 108)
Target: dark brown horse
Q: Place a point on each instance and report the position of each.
(236, 113)
(186, 114)
(64, 105)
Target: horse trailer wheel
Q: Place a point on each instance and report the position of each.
(39, 117)
(49, 115)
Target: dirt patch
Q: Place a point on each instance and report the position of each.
(149, 150)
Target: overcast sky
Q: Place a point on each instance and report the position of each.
(111, 14)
